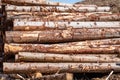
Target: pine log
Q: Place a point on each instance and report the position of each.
(53, 36)
(114, 41)
(39, 16)
(52, 57)
(39, 25)
(34, 3)
(78, 17)
(57, 9)
(55, 14)
(61, 67)
(61, 48)
(62, 76)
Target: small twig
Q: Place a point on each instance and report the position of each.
(58, 72)
(21, 77)
(109, 75)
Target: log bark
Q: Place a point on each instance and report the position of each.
(61, 48)
(62, 76)
(61, 67)
(53, 36)
(57, 9)
(38, 25)
(39, 16)
(52, 57)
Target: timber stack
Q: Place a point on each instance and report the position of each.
(50, 38)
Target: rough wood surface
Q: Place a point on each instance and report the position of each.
(52, 57)
(53, 36)
(40, 25)
(61, 48)
(61, 67)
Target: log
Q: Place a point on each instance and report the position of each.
(84, 17)
(39, 25)
(34, 3)
(52, 57)
(62, 76)
(57, 9)
(54, 36)
(113, 41)
(55, 14)
(61, 67)
(39, 16)
(61, 48)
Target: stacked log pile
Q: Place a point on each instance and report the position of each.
(49, 37)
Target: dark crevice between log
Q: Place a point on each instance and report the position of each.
(90, 76)
(3, 28)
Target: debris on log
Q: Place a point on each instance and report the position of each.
(37, 75)
(52, 57)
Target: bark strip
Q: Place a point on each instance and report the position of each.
(61, 67)
(61, 48)
(53, 36)
(52, 57)
(38, 25)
